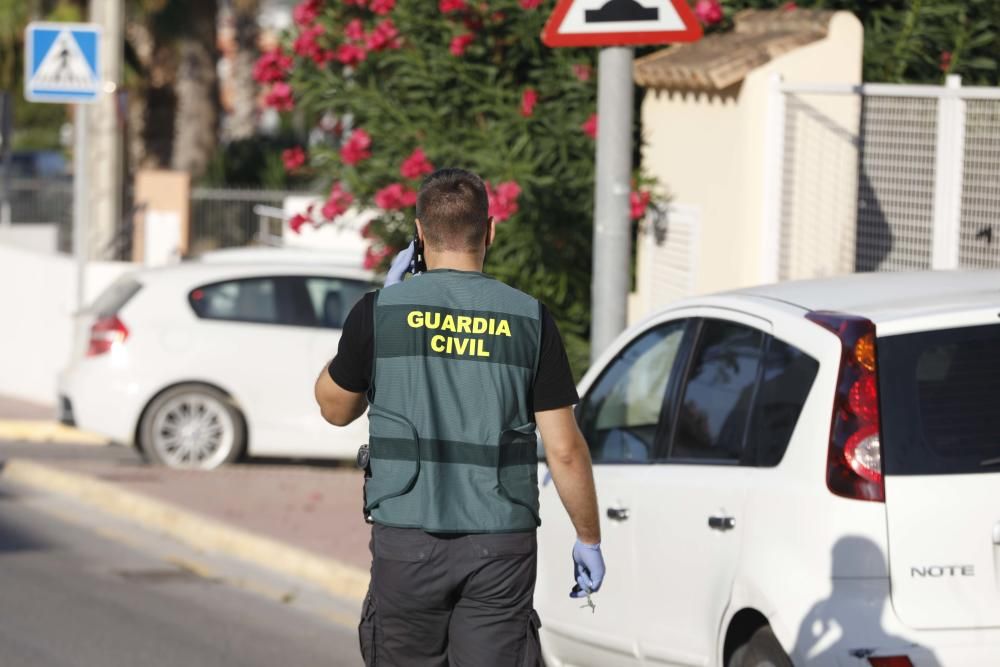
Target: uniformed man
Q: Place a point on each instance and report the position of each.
(457, 370)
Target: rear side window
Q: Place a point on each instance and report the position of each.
(940, 401)
(717, 397)
(114, 298)
(786, 380)
(248, 300)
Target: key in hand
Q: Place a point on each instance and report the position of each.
(590, 603)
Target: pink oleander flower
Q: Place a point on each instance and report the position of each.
(416, 165)
(337, 202)
(395, 197)
(582, 72)
(296, 221)
(529, 98)
(351, 54)
(356, 3)
(280, 97)
(357, 147)
(355, 30)
(945, 61)
(376, 254)
(529, 4)
(307, 45)
(638, 203)
(708, 12)
(503, 200)
(293, 158)
(449, 6)
(306, 12)
(272, 66)
(789, 6)
(589, 126)
(460, 43)
(384, 36)
(382, 7)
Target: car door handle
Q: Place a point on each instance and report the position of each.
(722, 523)
(996, 534)
(618, 513)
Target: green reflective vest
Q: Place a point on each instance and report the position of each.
(452, 430)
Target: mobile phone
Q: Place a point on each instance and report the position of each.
(417, 264)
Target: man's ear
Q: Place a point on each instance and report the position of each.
(491, 231)
(420, 230)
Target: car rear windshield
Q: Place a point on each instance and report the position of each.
(940, 404)
(115, 297)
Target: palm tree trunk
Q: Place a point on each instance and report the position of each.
(242, 122)
(197, 118)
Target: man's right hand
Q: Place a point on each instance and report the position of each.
(588, 569)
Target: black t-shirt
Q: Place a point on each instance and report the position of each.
(352, 367)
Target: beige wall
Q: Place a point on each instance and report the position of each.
(709, 153)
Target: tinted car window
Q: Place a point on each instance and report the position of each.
(786, 380)
(940, 401)
(715, 401)
(248, 300)
(330, 299)
(620, 414)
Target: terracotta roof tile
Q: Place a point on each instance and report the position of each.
(723, 59)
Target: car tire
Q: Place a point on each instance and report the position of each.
(192, 427)
(762, 649)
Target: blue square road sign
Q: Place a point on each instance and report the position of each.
(62, 62)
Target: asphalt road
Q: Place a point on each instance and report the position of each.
(78, 590)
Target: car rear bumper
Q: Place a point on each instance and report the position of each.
(857, 621)
(95, 397)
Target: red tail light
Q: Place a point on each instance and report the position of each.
(854, 459)
(105, 334)
(890, 661)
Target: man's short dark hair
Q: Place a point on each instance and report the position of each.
(453, 210)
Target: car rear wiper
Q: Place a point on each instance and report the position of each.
(989, 462)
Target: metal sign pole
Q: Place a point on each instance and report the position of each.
(612, 225)
(80, 208)
(6, 137)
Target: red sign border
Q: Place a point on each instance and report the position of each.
(551, 37)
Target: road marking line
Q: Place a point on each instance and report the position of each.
(39, 431)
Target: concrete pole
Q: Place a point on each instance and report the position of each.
(613, 183)
(81, 208)
(106, 130)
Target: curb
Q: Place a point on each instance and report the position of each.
(39, 431)
(338, 578)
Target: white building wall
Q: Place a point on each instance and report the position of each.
(37, 293)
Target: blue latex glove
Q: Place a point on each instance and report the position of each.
(588, 569)
(400, 265)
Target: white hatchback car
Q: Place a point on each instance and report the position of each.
(203, 361)
(805, 473)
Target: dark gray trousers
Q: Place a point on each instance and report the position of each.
(450, 600)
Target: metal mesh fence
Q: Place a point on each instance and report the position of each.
(819, 167)
(225, 218)
(979, 241)
(44, 201)
(896, 183)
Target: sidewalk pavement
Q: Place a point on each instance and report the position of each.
(301, 519)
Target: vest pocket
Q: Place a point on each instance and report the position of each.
(517, 467)
(394, 456)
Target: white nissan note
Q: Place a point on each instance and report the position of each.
(805, 473)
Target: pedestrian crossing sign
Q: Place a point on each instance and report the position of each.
(62, 62)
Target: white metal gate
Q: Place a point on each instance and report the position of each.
(925, 193)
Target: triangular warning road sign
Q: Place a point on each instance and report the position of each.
(64, 67)
(620, 23)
